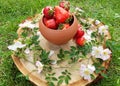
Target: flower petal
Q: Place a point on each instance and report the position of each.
(97, 22)
(27, 51)
(16, 45)
(51, 53)
(12, 47)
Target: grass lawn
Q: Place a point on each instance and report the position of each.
(12, 12)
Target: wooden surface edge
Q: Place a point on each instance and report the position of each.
(25, 72)
(39, 82)
(99, 77)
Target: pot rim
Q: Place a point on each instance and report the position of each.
(74, 17)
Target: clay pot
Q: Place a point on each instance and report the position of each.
(59, 37)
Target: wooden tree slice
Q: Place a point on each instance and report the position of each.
(28, 68)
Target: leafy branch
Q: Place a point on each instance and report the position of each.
(51, 79)
(85, 49)
(73, 54)
(99, 68)
(65, 77)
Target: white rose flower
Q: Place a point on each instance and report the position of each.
(96, 51)
(39, 66)
(105, 54)
(87, 35)
(86, 71)
(16, 45)
(28, 24)
(103, 29)
(99, 52)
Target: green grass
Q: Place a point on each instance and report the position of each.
(12, 12)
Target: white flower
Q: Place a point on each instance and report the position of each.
(97, 51)
(97, 22)
(87, 35)
(16, 45)
(39, 66)
(103, 29)
(28, 24)
(86, 71)
(105, 54)
(54, 62)
(38, 33)
(27, 51)
(78, 9)
(51, 53)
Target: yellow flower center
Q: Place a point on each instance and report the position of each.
(87, 72)
(97, 51)
(105, 53)
(103, 30)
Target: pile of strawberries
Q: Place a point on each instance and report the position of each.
(79, 36)
(58, 17)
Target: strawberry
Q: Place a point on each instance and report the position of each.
(63, 26)
(48, 12)
(80, 41)
(61, 14)
(65, 5)
(50, 23)
(80, 32)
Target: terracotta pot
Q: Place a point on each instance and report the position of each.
(59, 37)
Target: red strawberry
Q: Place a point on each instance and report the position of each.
(50, 23)
(48, 12)
(80, 32)
(65, 5)
(61, 14)
(65, 26)
(80, 41)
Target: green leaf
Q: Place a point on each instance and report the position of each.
(94, 35)
(61, 77)
(60, 82)
(27, 77)
(64, 73)
(97, 71)
(66, 80)
(35, 37)
(51, 84)
(102, 68)
(20, 75)
(72, 48)
(69, 73)
(54, 79)
(92, 76)
(47, 78)
(104, 75)
(66, 52)
(53, 74)
(68, 77)
(24, 34)
(97, 64)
